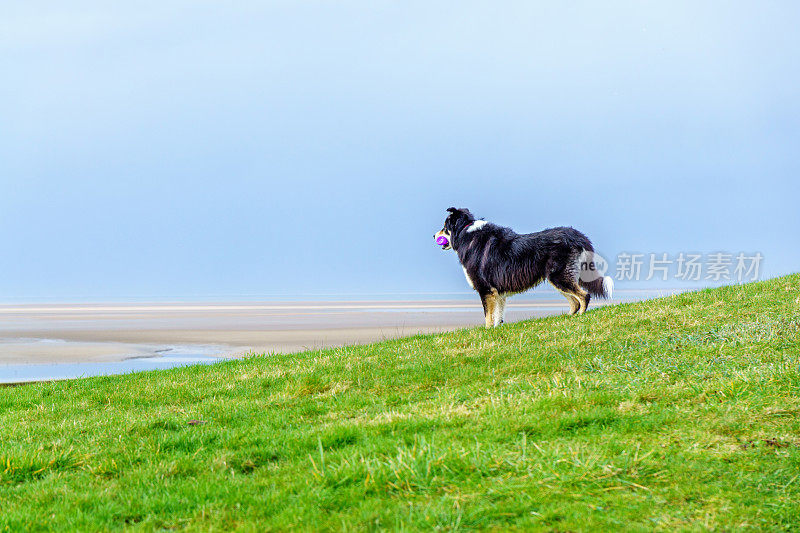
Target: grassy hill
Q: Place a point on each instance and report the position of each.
(676, 413)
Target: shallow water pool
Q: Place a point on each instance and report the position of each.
(21, 373)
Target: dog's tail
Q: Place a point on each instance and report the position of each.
(602, 287)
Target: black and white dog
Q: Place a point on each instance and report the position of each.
(499, 262)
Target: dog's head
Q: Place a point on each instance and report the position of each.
(457, 220)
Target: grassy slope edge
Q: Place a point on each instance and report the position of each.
(681, 412)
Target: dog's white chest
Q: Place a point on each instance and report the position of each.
(469, 281)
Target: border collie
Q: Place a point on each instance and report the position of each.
(498, 262)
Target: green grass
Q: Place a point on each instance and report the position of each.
(677, 413)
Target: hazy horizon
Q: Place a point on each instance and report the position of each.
(542, 292)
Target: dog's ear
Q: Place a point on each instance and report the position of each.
(461, 212)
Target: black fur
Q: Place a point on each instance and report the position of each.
(497, 259)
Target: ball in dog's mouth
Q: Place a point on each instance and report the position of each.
(442, 241)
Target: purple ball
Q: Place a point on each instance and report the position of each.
(442, 240)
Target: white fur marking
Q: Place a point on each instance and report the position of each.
(475, 226)
(471, 286)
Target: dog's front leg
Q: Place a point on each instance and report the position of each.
(490, 307)
(500, 312)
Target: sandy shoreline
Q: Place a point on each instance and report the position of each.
(72, 333)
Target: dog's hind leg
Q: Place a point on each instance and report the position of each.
(565, 291)
(577, 297)
(572, 300)
(583, 298)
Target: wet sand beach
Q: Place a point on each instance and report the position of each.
(96, 337)
(60, 333)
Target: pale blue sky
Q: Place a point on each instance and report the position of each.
(206, 149)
